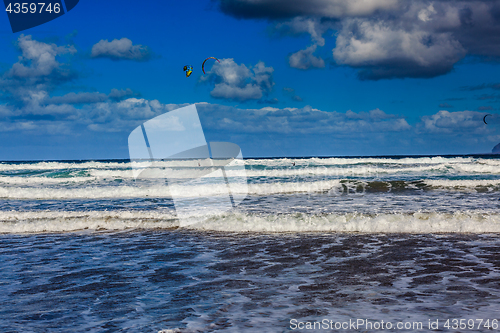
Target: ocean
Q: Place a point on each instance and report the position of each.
(318, 245)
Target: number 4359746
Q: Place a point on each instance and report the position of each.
(32, 8)
(471, 324)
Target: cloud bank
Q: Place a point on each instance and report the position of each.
(300, 121)
(28, 87)
(384, 38)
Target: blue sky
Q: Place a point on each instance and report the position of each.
(296, 78)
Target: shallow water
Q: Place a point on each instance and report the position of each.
(207, 282)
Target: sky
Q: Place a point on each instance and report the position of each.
(295, 78)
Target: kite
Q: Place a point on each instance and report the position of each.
(203, 65)
(484, 118)
(188, 70)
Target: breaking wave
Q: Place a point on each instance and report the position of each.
(161, 190)
(417, 222)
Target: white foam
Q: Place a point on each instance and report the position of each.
(87, 192)
(94, 180)
(316, 167)
(63, 221)
(462, 183)
(418, 222)
(368, 160)
(153, 189)
(285, 162)
(160, 190)
(43, 180)
(293, 187)
(40, 166)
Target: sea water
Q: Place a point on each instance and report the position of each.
(85, 247)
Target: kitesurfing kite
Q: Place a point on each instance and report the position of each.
(188, 70)
(203, 65)
(484, 118)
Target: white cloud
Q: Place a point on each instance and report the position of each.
(28, 85)
(120, 49)
(392, 52)
(37, 59)
(123, 116)
(425, 14)
(38, 71)
(301, 121)
(245, 93)
(384, 39)
(304, 59)
(238, 82)
(459, 122)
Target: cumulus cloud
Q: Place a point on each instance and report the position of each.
(239, 82)
(37, 69)
(459, 122)
(309, 131)
(123, 116)
(41, 70)
(38, 59)
(120, 49)
(97, 113)
(304, 59)
(300, 121)
(383, 51)
(385, 38)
